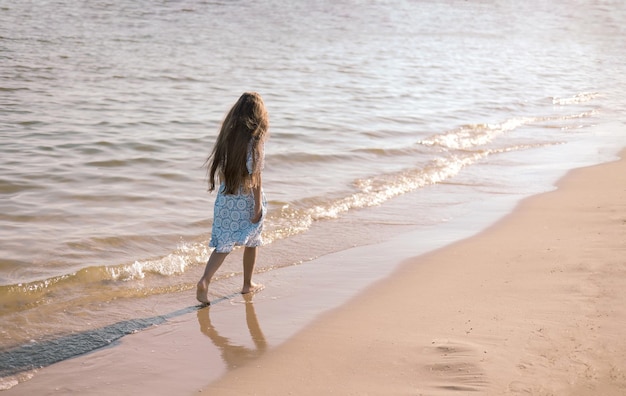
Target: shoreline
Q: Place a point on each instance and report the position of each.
(513, 319)
(537, 309)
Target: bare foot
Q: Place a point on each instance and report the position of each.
(252, 288)
(201, 292)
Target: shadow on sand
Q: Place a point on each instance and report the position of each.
(40, 354)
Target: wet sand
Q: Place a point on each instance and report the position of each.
(533, 305)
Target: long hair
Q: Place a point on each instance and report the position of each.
(245, 125)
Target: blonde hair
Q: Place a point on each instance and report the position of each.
(245, 125)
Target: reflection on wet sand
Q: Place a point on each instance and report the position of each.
(235, 355)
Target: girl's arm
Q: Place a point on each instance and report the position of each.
(258, 209)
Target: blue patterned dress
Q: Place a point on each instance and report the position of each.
(231, 217)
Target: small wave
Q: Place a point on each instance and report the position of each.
(177, 78)
(388, 152)
(13, 89)
(23, 296)
(172, 264)
(576, 99)
(30, 294)
(115, 163)
(171, 176)
(108, 164)
(471, 136)
(11, 187)
(474, 135)
(298, 217)
(585, 114)
(303, 157)
(30, 123)
(567, 121)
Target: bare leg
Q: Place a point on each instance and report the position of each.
(249, 260)
(214, 263)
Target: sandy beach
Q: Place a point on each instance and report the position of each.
(533, 305)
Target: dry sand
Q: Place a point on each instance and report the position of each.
(536, 304)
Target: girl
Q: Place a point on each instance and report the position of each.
(240, 206)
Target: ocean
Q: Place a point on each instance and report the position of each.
(385, 117)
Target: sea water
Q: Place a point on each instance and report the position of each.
(385, 117)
